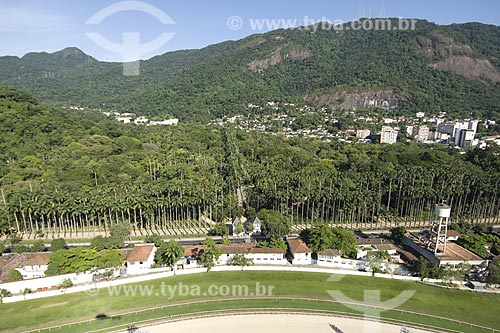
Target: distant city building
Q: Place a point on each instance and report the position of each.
(473, 125)
(465, 138)
(124, 120)
(462, 131)
(165, 122)
(420, 133)
(447, 128)
(388, 135)
(362, 134)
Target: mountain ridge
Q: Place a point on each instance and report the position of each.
(453, 68)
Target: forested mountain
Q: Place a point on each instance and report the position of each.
(70, 172)
(70, 77)
(453, 69)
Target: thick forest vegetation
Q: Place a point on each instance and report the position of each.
(70, 172)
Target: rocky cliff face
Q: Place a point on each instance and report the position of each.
(263, 64)
(253, 43)
(441, 46)
(360, 99)
(455, 57)
(474, 69)
(276, 57)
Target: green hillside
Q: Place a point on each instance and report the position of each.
(453, 69)
(72, 171)
(70, 77)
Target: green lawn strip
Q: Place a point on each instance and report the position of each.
(477, 308)
(122, 321)
(193, 308)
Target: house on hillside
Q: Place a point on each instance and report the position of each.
(254, 226)
(140, 259)
(34, 265)
(301, 253)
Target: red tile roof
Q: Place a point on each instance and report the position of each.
(37, 258)
(373, 241)
(236, 248)
(140, 253)
(266, 250)
(192, 251)
(125, 253)
(298, 246)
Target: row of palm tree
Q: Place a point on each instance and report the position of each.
(406, 195)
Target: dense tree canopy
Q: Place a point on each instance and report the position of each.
(169, 253)
(72, 261)
(324, 237)
(83, 177)
(211, 253)
(274, 226)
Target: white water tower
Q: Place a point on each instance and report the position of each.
(439, 229)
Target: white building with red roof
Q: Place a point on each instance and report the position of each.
(140, 259)
(301, 253)
(259, 256)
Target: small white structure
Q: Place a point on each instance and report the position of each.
(259, 256)
(141, 120)
(452, 235)
(125, 120)
(35, 265)
(254, 226)
(238, 224)
(190, 257)
(165, 122)
(140, 259)
(333, 258)
(301, 253)
(267, 256)
(231, 250)
(371, 245)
